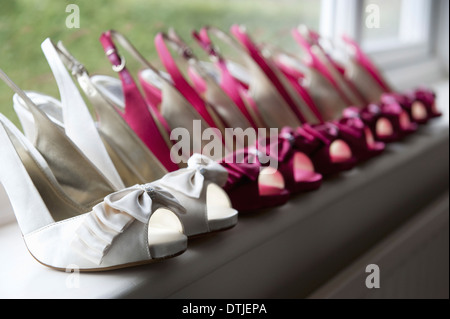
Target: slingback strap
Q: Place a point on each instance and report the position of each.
(317, 64)
(205, 83)
(313, 61)
(137, 112)
(295, 77)
(140, 163)
(203, 109)
(228, 83)
(207, 45)
(336, 72)
(78, 123)
(180, 82)
(254, 52)
(122, 70)
(308, 99)
(182, 46)
(28, 205)
(366, 63)
(126, 44)
(36, 112)
(68, 164)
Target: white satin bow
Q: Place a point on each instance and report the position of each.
(117, 211)
(190, 181)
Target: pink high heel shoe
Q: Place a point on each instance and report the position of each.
(420, 102)
(358, 136)
(363, 79)
(335, 137)
(386, 118)
(295, 167)
(142, 119)
(293, 157)
(228, 112)
(165, 100)
(249, 180)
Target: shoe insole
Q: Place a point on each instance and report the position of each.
(384, 128)
(304, 169)
(165, 234)
(270, 182)
(419, 112)
(340, 152)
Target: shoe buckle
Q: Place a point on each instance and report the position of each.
(77, 68)
(121, 66)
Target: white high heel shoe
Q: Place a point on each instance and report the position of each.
(133, 226)
(197, 187)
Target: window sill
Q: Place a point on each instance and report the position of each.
(394, 55)
(423, 72)
(403, 259)
(285, 252)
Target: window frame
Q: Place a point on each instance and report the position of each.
(417, 48)
(414, 41)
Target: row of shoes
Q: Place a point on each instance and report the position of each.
(105, 193)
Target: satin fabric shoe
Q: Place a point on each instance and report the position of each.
(263, 86)
(132, 226)
(197, 187)
(178, 112)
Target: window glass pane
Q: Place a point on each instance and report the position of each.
(25, 24)
(381, 20)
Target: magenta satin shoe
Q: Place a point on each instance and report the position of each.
(387, 120)
(420, 104)
(345, 141)
(330, 155)
(293, 159)
(250, 185)
(136, 110)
